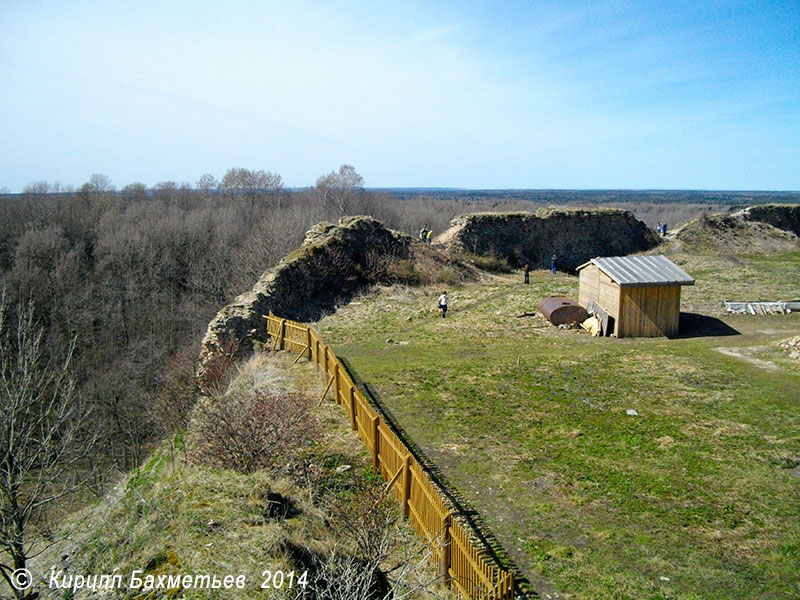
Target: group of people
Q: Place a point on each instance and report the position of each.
(527, 272)
(425, 235)
(553, 264)
(662, 229)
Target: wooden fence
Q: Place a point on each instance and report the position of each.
(463, 567)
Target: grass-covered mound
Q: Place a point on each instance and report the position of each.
(728, 234)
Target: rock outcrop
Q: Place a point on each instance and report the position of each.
(334, 262)
(573, 235)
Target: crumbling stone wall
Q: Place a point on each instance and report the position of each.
(333, 263)
(574, 235)
(782, 216)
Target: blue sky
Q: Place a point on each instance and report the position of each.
(678, 95)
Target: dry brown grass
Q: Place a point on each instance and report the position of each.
(175, 517)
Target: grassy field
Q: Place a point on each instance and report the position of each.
(694, 496)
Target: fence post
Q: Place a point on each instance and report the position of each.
(406, 491)
(325, 359)
(336, 383)
(308, 343)
(353, 408)
(446, 542)
(375, 440)
(282, 334)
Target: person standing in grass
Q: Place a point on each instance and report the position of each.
(553, 261)
(527, 273)
(430, 235)
(443, 304)
(423, 233)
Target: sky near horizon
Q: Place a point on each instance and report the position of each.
(539, 94)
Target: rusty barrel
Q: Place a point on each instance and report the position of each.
(560, 310)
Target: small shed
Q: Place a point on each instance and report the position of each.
(640, 294)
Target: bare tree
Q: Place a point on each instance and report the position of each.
(206, 183)
(100, 183)
(41, 419)
(135, 192)
(251, 185)
(340, 189)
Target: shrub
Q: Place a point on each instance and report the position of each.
(216, 370)
(403, 271)
(365, 516)
(448, 275)
(489, 262)
(251, 431)
(177, 392)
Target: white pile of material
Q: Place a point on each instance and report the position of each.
(762, 308)
(792, 346)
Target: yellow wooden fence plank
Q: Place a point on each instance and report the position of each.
(389, 485)
(467, 552)
(325, 393)
(302, 352)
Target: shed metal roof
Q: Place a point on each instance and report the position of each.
(636, 271)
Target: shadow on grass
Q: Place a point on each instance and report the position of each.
(694, 325)
(459, 505)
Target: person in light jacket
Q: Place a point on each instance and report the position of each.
(443, 304)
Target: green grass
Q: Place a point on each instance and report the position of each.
(529, 423)
(769, 276)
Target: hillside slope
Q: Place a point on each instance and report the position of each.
(181, 516)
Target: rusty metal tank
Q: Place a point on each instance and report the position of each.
(560, 310)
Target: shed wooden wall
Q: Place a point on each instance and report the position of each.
(649, 311)
(588, 284)
(596, 285)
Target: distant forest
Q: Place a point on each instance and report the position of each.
(605, 197)
(134, 275)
